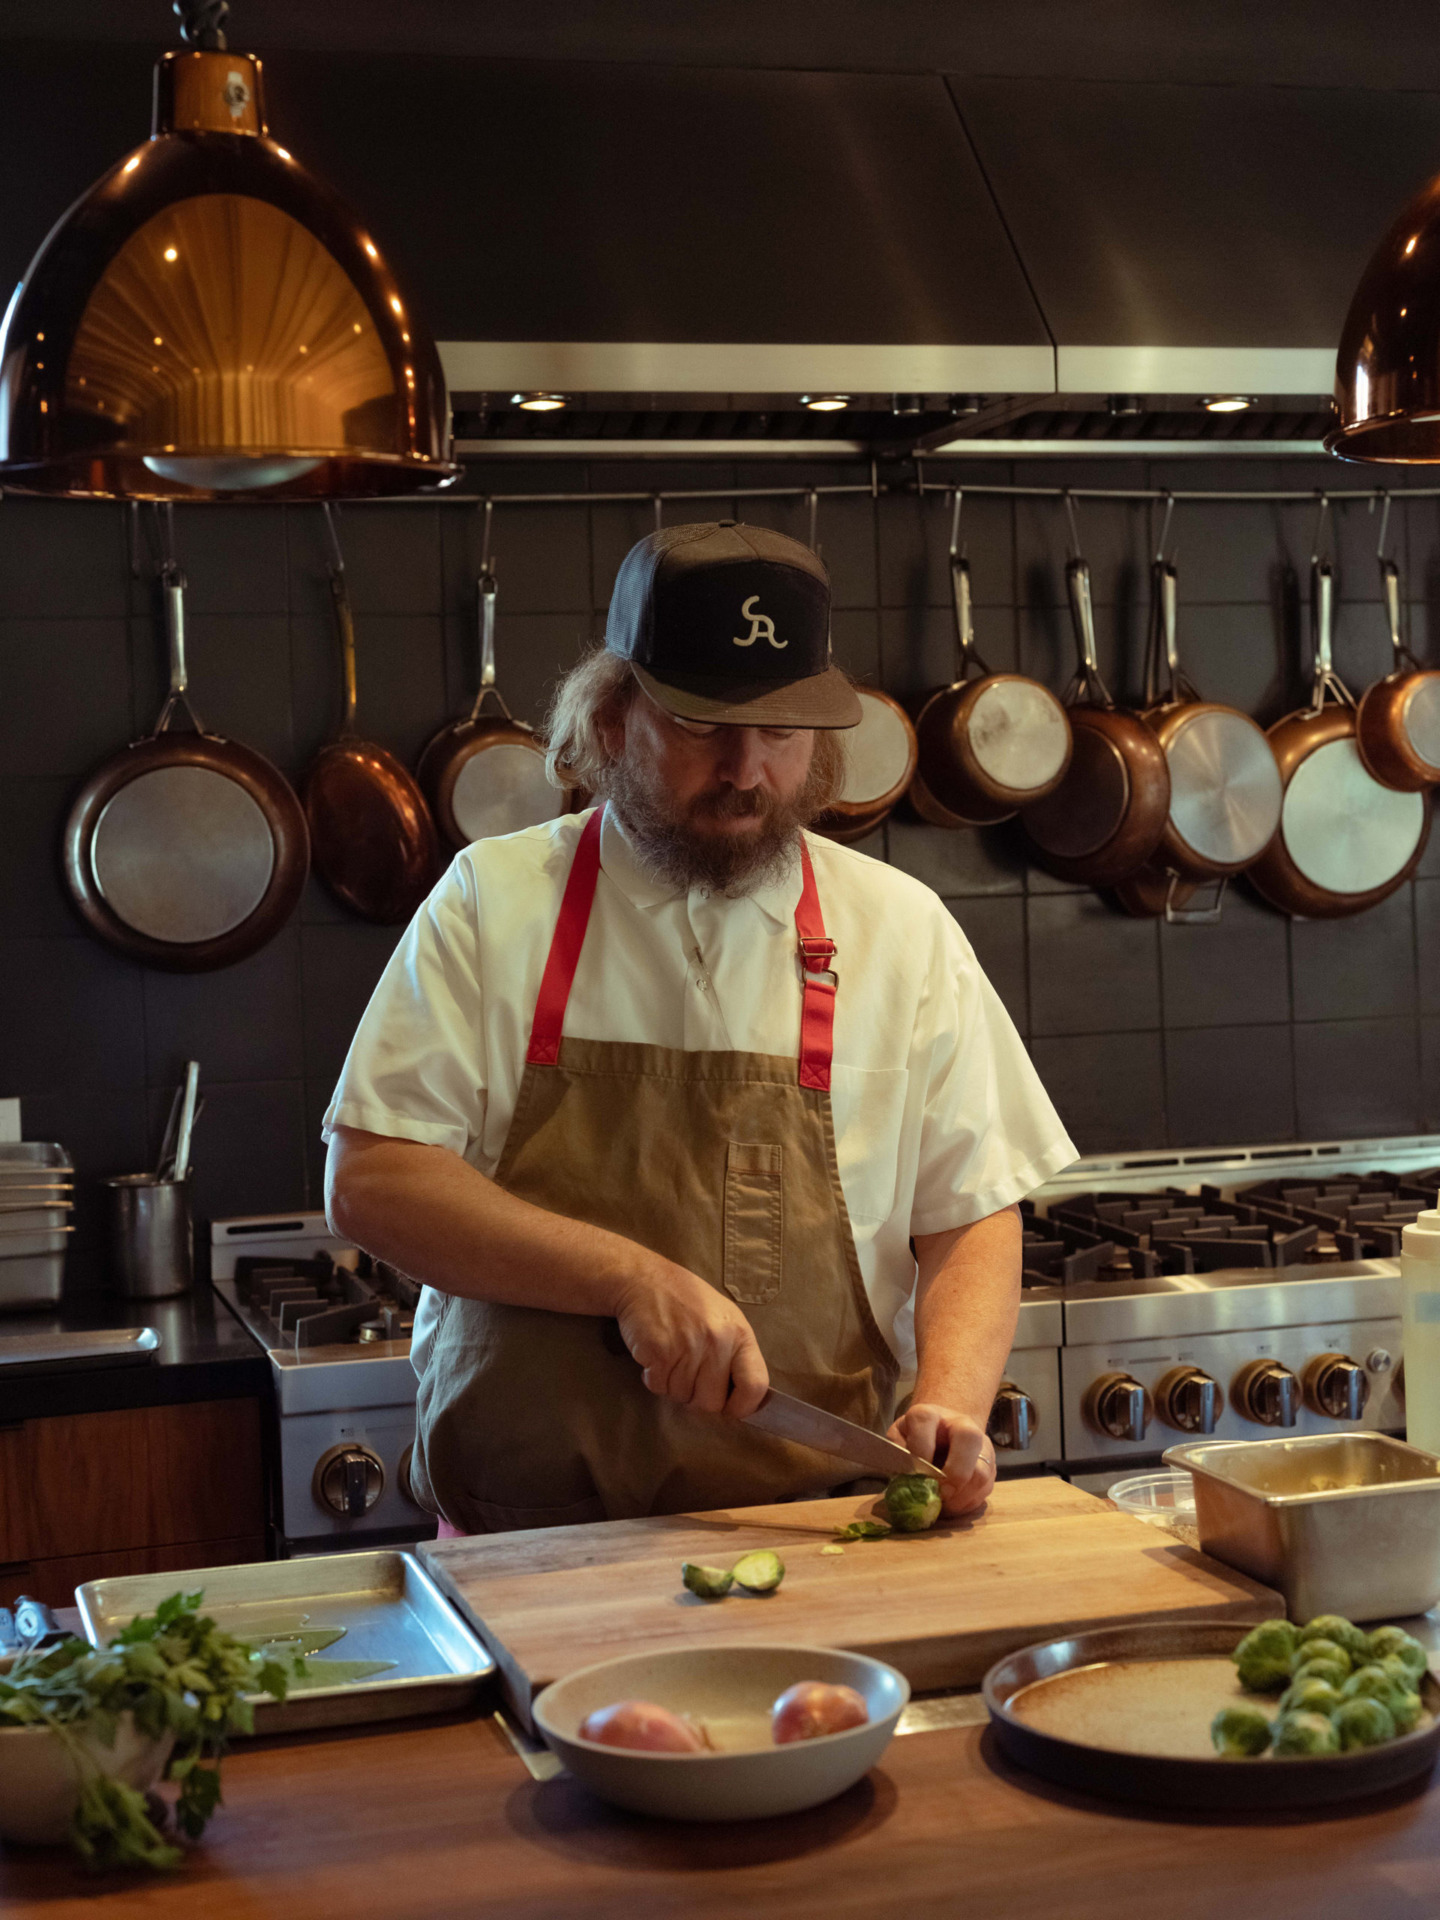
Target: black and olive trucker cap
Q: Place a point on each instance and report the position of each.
(730, 624)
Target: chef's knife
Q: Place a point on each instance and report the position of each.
(791, 1419)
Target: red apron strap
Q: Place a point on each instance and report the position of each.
(569, 938)
(817, 970)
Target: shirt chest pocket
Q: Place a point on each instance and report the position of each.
(869, 1110)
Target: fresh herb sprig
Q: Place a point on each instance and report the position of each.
(174, 1671)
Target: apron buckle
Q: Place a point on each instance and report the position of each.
(817, 962)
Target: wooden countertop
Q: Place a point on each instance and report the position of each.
(442, 1820)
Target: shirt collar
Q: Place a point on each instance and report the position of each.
(776, 899)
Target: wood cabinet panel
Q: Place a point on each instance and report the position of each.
(95, 1483)
(55, 1581)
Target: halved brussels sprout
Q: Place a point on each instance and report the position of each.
(759, 1572)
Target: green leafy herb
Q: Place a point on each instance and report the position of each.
(864, 1530)
(174, 1671)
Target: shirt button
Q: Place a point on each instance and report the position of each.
(703, 984)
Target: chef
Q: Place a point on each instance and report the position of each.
(670, 1100)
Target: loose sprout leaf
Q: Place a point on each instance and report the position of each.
(864, 1530)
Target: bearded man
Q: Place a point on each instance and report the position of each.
(671, 1100)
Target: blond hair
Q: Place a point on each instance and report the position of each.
(597, 691)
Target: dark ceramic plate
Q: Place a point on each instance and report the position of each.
(1062, 1734)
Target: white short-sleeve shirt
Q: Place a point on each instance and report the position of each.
(940, 1117)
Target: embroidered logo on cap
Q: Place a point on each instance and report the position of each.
(762, 627)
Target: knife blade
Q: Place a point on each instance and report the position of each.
(791, 1419)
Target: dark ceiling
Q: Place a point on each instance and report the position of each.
(1382, 43)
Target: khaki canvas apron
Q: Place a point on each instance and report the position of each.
(723, 1162)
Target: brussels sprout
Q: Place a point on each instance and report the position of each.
(1307, 1652)
(711, 1583)
(1240, 1730)
(1405, 1710)
(1304, 1733)
(1330, 1626)
(1395, 1643)
(1405, 1680)
(1372, 1683)
(759, 1572)
(1309, 1696)
(1263, 1656)
(863, 1530)
(1363, 1722)
(912, 1502)
(1335, 1670)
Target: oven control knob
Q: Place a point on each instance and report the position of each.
(1119, 1407)
(1190, 1400)
(348, 1481)
(1267, 1393)
(1336, 1386)
(1012, 1419)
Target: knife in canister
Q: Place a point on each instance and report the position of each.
(791, 1419)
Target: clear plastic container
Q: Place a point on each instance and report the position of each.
(1162, 1500)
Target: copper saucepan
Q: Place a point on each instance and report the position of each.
(1345, 842)
(1397, 729)
(1105, 819)
(1225, 790)
(185, 851)
(988, 745)
(484, 773)
(372, 839)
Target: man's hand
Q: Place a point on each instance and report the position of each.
(692, 1341)
(957, 1445)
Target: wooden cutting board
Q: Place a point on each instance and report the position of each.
(1042, 1559)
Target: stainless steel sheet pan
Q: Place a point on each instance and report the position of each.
(386, 1602)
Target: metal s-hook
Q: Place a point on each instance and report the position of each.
(1322, 521)
(1387, 501)
(812, 501)
(957, 500)
(657, 501)
(1074, 528)
(487, 563)
(1165, 525)
(336, 561)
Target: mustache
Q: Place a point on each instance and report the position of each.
(734, 803)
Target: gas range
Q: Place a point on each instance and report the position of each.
(336, 1329)
(1239, 1293)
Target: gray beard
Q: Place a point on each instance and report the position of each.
(671, 852)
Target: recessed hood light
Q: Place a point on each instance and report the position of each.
(1227, 403)
(825, 402)
(538, 402)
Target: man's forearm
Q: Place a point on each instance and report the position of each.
(967, 1300)
(432, 1215)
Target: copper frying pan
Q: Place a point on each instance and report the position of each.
(484, 773)
(879, 766)
(1345, 842)
(185, 851)
(1397, 729)
(1224, 783)
(372, 839)
(988, 745)
(1105, 819)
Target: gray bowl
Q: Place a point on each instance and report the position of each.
(730, 1689)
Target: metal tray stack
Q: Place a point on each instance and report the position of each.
(37, 1188)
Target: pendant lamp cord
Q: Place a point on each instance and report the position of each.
(202, 23)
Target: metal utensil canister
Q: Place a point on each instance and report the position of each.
(151, 1245)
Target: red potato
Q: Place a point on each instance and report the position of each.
(638, 1724)
(811, 1708)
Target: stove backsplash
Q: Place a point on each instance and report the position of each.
(1255, 1030)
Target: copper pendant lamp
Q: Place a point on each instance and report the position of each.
(210, 321)
(1387, 374)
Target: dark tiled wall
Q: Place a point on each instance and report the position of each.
(1253, 1030)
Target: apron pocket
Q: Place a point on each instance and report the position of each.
(754, 1220)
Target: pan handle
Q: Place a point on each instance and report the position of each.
(172, 601)
(1164, 645)
(488, 689)
(1322, 617)
(1390, 582)
(1195, 916)
(1082, 618)
(967, 654)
